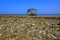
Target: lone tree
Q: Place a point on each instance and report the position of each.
(32, 12)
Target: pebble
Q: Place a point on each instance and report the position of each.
(22, 25)
(1, 34)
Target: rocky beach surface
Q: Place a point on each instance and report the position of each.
(29, 28)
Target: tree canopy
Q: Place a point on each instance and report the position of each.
(32, 12)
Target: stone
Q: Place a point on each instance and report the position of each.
(1, 34)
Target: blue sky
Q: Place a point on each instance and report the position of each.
(21, 6)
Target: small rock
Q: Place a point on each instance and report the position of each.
(1, 34)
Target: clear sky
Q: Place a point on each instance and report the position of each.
(21, 6)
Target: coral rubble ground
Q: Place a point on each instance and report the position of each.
(29, 28)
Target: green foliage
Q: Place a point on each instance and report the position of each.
(32, 12)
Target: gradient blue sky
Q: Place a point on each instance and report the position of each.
(21, 6)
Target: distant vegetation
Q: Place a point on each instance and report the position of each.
(32, 12)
